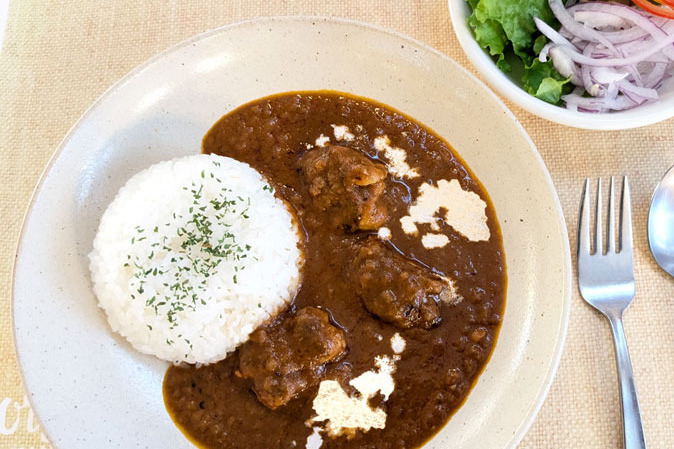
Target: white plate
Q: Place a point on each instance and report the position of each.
(92, 390)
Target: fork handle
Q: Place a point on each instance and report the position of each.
(633, 430)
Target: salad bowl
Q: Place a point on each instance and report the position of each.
(510, 88)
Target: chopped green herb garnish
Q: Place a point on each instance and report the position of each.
(200, 244)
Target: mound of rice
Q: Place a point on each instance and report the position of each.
(192, 255)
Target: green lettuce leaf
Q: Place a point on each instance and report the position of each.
(491, 37)
(550, 90)
(516, 18)
(541, 80)
(539, 43)
(506, 29)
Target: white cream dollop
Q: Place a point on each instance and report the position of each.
(380, 380)
(384, 233)
(465, 211)
(398, 343)
(430, 240)
(344, 414)
(322, 140)
(395, 158)
(342, 132)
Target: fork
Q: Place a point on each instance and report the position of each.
(606, 280)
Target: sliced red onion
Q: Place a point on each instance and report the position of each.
(668, 26)
(597, 20)
(543, 55)
(565, 65)
(566, 33)
(635, 74)
(612, 91)
(576, 28)
(605, 75)
(628, 13)
(637, 45)
(581, 44)
(591, 87)
(657, 75)
(550, 33)
(617, 54)
(636, 91)
(627, 35)
(608, 62)
(596, 104)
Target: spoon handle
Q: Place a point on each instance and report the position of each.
(632, 426)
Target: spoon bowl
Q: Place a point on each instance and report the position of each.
(661, 223)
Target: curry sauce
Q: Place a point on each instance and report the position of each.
(360, 287)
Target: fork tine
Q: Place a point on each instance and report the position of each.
(610, 227)
(598, 240)
(626, 218)
(584, 222)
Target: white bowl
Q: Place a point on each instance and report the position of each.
(643, 115)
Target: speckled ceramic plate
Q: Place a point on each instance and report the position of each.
(92, 390)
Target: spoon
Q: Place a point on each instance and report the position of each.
(661, 223)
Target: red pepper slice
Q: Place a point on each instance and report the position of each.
(661, 11)
(665, 2)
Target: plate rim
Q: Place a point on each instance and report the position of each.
(566, 294)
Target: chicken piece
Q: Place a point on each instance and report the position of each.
(346, 185)
(289, 357)
(396, 289)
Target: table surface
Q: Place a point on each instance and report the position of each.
(58, 57)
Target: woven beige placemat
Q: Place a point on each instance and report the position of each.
(59, 56)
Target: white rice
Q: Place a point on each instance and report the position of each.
(170, 221)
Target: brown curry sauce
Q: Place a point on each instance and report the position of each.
(216, 408)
